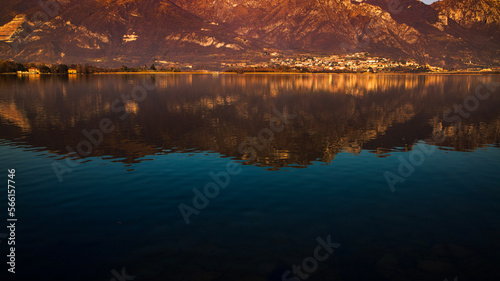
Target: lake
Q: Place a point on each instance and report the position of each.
(252, 177)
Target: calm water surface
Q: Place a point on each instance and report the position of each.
(88, 205)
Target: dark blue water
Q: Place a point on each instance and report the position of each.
(323, 175)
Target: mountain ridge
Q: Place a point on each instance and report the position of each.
(111, 33)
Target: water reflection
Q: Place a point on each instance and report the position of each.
(335, 113)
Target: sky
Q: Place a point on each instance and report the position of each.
(429, 1)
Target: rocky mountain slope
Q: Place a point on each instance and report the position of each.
(448, 33)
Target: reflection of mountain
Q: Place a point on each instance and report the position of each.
(217, 112)
(10, 113)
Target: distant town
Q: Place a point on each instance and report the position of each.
(352, 63)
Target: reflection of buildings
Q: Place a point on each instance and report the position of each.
(131, 106)
(335, 113)
(466, 136)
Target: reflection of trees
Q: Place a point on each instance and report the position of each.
(208, 112)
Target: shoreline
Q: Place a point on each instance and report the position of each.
(261, 73)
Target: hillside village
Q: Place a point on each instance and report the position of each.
(357, 62)
(361, 62)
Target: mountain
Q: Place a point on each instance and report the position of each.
(110, 33)
(471, 13)
(123, 32)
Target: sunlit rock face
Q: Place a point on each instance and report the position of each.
(469, 12)
(9, 30)
(113, 33)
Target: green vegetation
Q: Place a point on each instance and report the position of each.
(270, 69)
(152, 68)
(10, 66)
(307, 65)
(7, 66)
(405, 69)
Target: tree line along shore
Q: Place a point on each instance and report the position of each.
(11, 67)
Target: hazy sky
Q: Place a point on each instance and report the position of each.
(429, 1)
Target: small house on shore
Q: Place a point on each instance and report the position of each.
(31, 70)
(72, 71)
